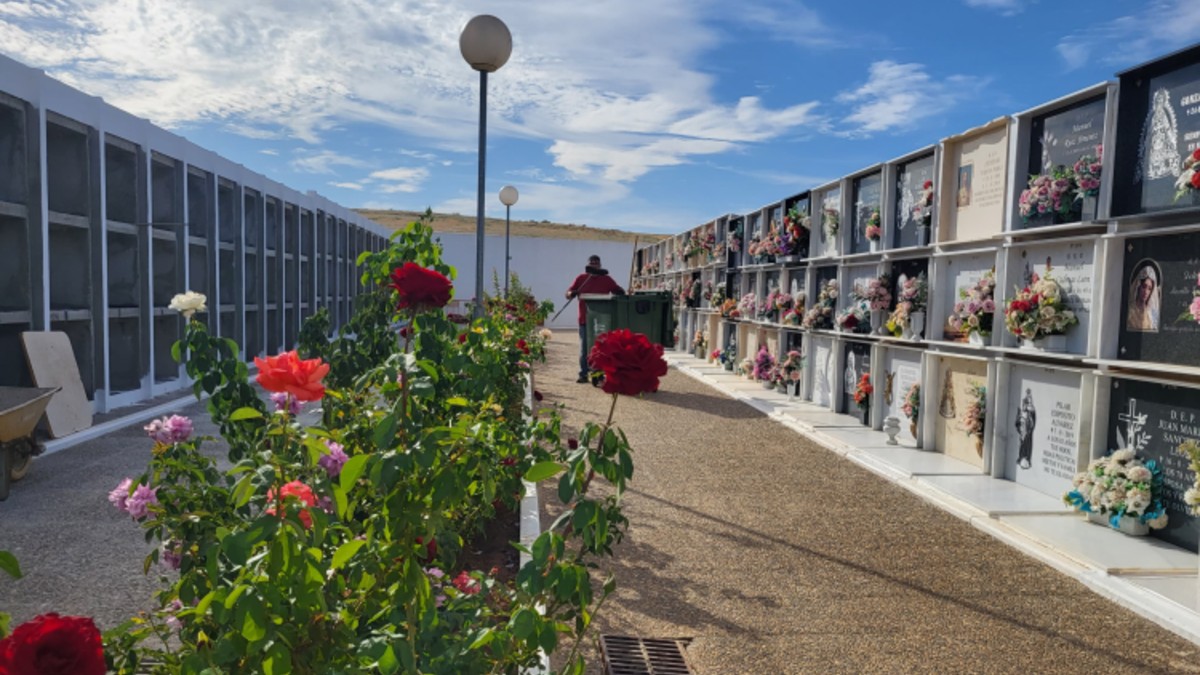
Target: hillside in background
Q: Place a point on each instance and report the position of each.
(454, 223)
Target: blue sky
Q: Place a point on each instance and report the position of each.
(653, 116)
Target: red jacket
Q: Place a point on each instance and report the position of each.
(592, 283)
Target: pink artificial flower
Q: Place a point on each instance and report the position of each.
(285, 402)
(335, 460)
(168, 430)
(138, 504)
(119, 497)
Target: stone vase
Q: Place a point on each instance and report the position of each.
(976, 338)
(916, 324)
(912, 428)
(877, 321)
(922, 235)
(1133, 527)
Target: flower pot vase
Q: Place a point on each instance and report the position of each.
(1133, 527)
(916, 324)
(873, 245)
(877, 326)
(979, 446)
(912, 428)
(767, 384)
(922, 236)
(1054, 344)
(976, 339)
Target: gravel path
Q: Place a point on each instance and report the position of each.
(776, 556)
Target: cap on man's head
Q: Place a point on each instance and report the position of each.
(594, 259)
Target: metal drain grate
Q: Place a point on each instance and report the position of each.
(644, 656)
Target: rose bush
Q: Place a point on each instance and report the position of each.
(630, 363)
(337, 547)
(53, 645)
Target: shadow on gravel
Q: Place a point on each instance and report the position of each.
(720, 406)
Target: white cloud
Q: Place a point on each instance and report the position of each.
(273, 153)
(323, 161)
(614, 88)
(400, 179)
(1006, 7)
(348, 186)
(896, 96)
(1161, 27)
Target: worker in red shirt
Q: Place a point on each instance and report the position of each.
(594, 280)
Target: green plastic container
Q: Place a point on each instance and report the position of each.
(648, 313)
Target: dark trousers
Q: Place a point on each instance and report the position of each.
(583, 350)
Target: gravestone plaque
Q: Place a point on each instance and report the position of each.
(1158, 127)
(951, 402)
(858, 278)
(1045, 416)
(823, 366)
(868, 201)
(963, 273)
(977, 204)
(857, 357)
(901, 370)
(828, 222)
(1072, 265)
(910, 213)
(1158, 289)
(1061, 138)
(1153, 420)
(737, 230)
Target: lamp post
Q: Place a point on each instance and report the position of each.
(485, 44)
(508, 197)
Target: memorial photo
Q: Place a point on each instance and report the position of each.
(964, 185)
(1145, 298)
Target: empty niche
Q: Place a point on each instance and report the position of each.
(166, 283)
(227, 214)
(124, 355)
(199, 204)
(164, 191)
(229, 326)
(229, 272)
(124, 273)
(66, 170)
(120, 183)
(198, 269)
(253, 334)
(271, 233)
(166, 332)
(14, 265)
(70, 268)
(13, 180)
(252, 274)
(252, 214)
(272, 331)
(80, 335)
(13, 371)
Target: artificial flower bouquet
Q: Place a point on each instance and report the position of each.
(922, 211)
(874, 228)
(776, 306)
(795, 315)
(821, 315)
(975, 417)
(1038, 310)
(854, 316)
(1120, 485)
(831, 220)
(912, 406)
(863, 391)
(974, 311)
(717, 297)
(730, 310)
(1189, 180)
(876, 293)
(1192, 313)
(912, 298)
(1191, 496)
(792, 365)
(748, 306)
(1087, 174)
(1053, 193)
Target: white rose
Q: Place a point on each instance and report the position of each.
(1192, 497)
(1139, 474)
(189, 303)
(545, 333)
(1123, 455)
(1137, 500)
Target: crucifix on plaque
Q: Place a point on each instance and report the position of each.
(1133, 437)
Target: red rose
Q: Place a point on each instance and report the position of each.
(631, 365)
(1196, 155)
(430, 549)
(537, 395)
(462, 338)
(299, 491)
(573, 443)
(51, 644)
(1196, 178)
(289, 373)
(420, 288)
(523, 346)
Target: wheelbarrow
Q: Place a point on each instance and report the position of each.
(20, 410)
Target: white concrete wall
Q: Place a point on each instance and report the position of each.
(547, 266)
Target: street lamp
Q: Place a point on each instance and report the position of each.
(508, 197)
(485, 44)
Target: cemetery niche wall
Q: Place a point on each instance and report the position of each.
(1160, 300)
(915, 201)
(1043, 427)
(856, 364)
(902, 372)
(961, 387)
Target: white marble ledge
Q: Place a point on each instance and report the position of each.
(864, 437)
(1181, 589)
(996, 497)
(909, 462)
(1104, 548)
(819, 418)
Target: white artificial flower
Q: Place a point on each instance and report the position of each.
(1137, 500)
(545, 333)
(1192, 497)
(1139, 474)
(1122, 455)
(189, 303)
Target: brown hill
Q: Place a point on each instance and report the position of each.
(454, 223)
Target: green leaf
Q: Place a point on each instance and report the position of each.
(345, 552)
(177, 351)
(339, 497)
(8, 563)
(351, 470)
(457, 401)
(385, 432)
(541, 549)
(202, 607)
(253, 621)
(485, 636)
(245, 414)
(523, 624)
(243, 491)
(278, 661)
(543, 470)
(237, 593)
(5, 620)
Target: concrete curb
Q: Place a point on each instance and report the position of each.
(1147, 604)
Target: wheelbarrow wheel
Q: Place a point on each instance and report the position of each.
(19, 465)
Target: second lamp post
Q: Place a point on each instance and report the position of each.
(508, 197)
